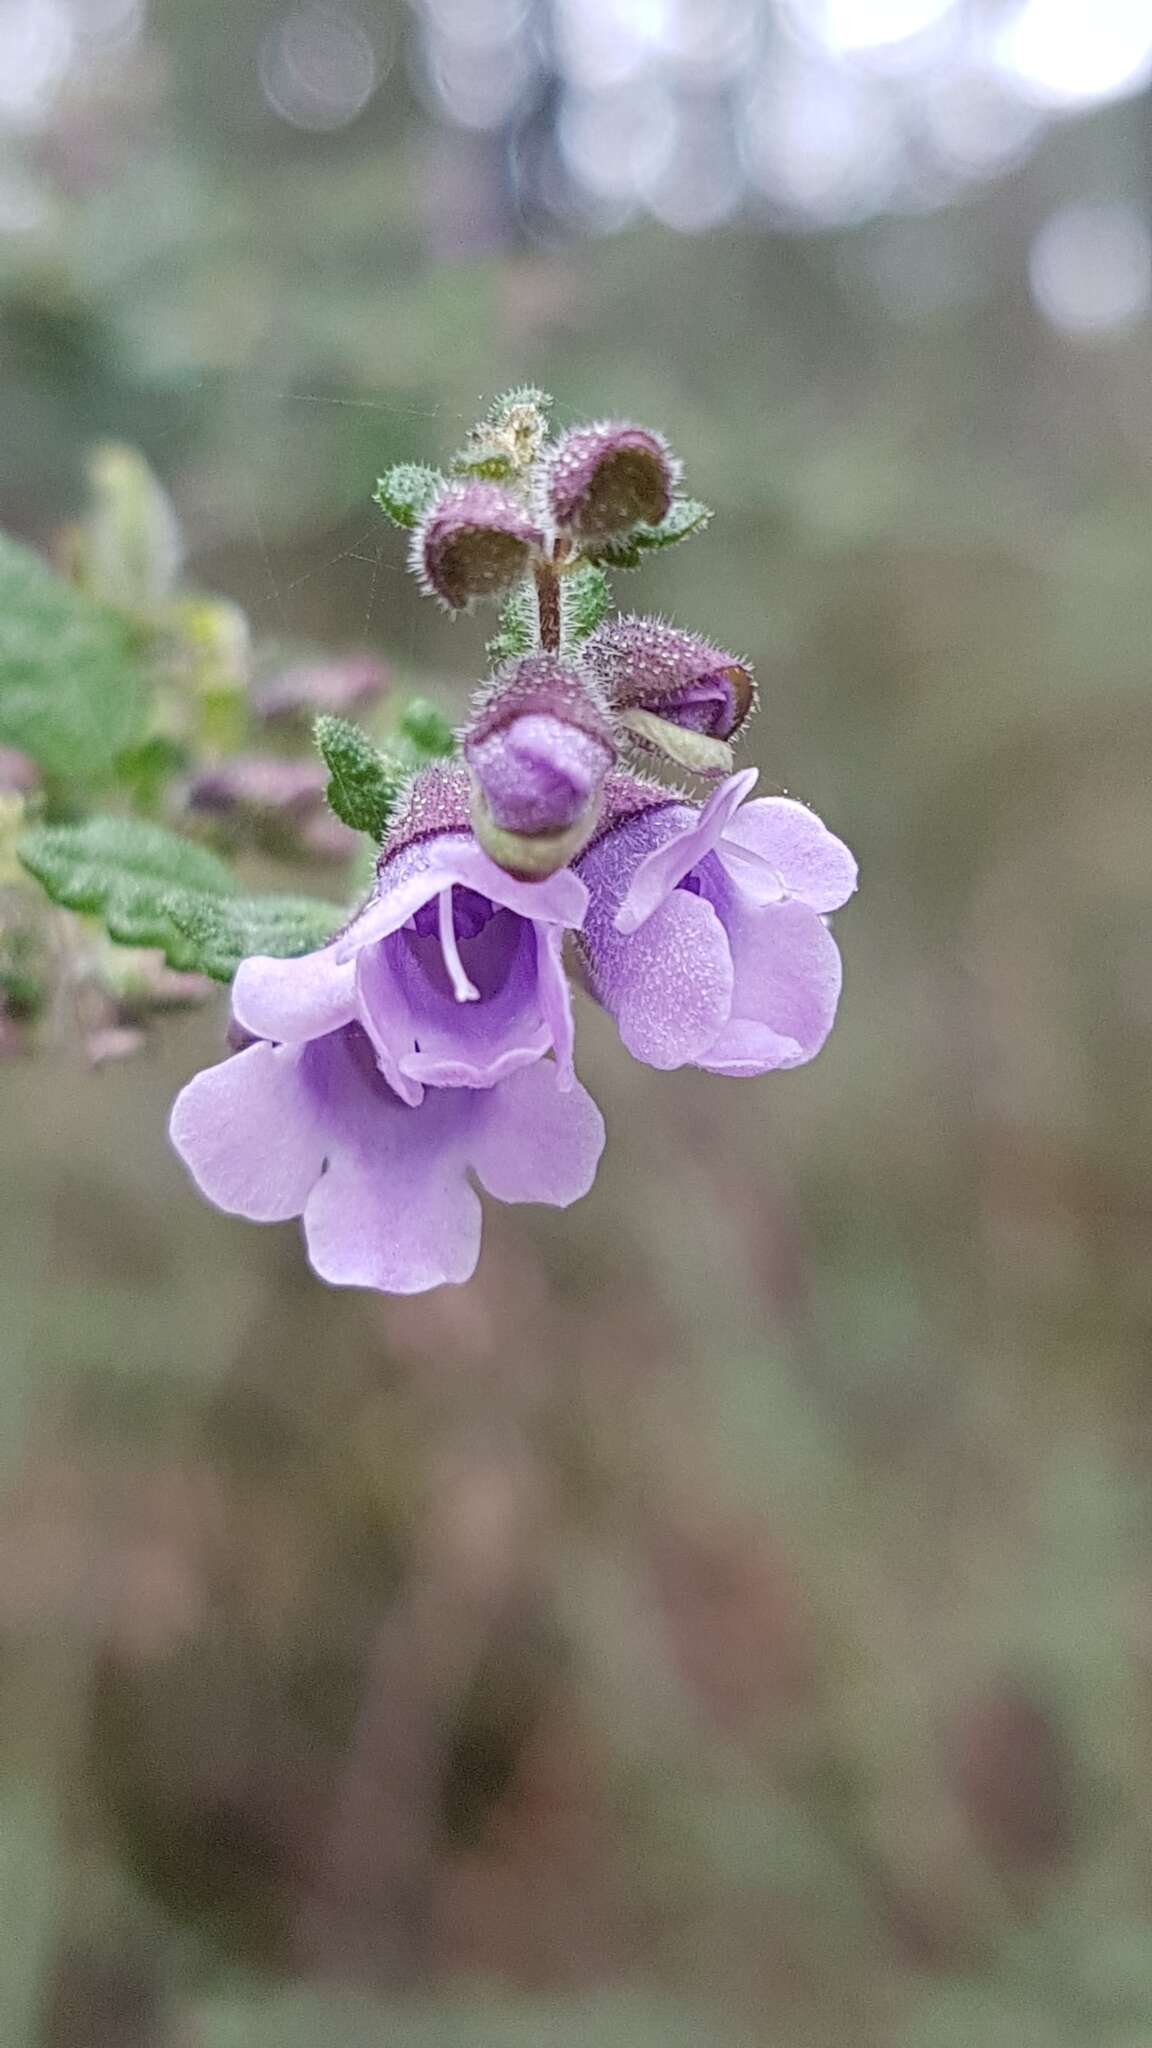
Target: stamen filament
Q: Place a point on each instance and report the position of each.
(464, 990)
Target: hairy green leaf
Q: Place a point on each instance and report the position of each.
(685, 517)
(214, 934)
(406, 491)
(517, 630)
(424, 728)
(73, 682)
(79, 865)
(151, 888)
(584, 598)
(363, 783)
(485, 461)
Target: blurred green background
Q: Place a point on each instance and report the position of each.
(728, 1619)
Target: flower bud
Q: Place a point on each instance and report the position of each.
(539, 749)
(19, 775)
(257, 799)
(346, 685)
(604, 479)
(674, 693)
(477, 540)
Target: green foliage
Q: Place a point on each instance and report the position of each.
(424, 728)
(363, 783)
(524, 398)
(503, 445)
(485, 460)
(29, 1899)
(585, 597)
(624, 2019)
(214, 934)
(129, 547)
(405, 492)
(73, 685)
(145, 771)
(517, 631)
(151, 888)
(685, 517)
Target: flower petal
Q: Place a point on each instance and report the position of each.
(787, 985)
(455, 857)
(670, 986)
(394, 1209)
(537, 1141)
(249, 1133)
(556, 999)
(661, 870)
(290, 1001)
(383, 1010)
(423, 1034)
(815, 867)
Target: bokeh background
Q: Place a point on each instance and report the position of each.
(728, 1619)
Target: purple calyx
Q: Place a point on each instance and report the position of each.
(476, 542)
(645, 665)
(606, 478)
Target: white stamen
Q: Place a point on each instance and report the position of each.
(463, 990)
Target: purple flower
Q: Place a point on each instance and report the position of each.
(705, 935)
(259, 783)
(310, 1128)
(406, 1053)
(539, 747)
(345, 684)
(477, 540)
(605, 478)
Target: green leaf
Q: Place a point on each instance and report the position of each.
(151, 888)
(584, 597)
(685, 517)
(524, 398)
(146, 770)
(485, 461)
(426, 731)
(406, 491)
(214, 934)
(73, 685)
(364, 783)
(81, 865)
(517, 631)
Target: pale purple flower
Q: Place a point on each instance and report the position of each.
(19, 775)
(397, 1059)
(311, 1129)
(705, 934)
(259, 783)
(345, 684)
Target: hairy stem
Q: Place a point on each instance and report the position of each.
(548, 604)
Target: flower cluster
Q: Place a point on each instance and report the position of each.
(431, 1041)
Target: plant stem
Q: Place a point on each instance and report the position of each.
(548, 603)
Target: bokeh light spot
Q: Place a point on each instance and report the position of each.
(36, 40)
(1090, 268)
(318, 67)
(1065, 55)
